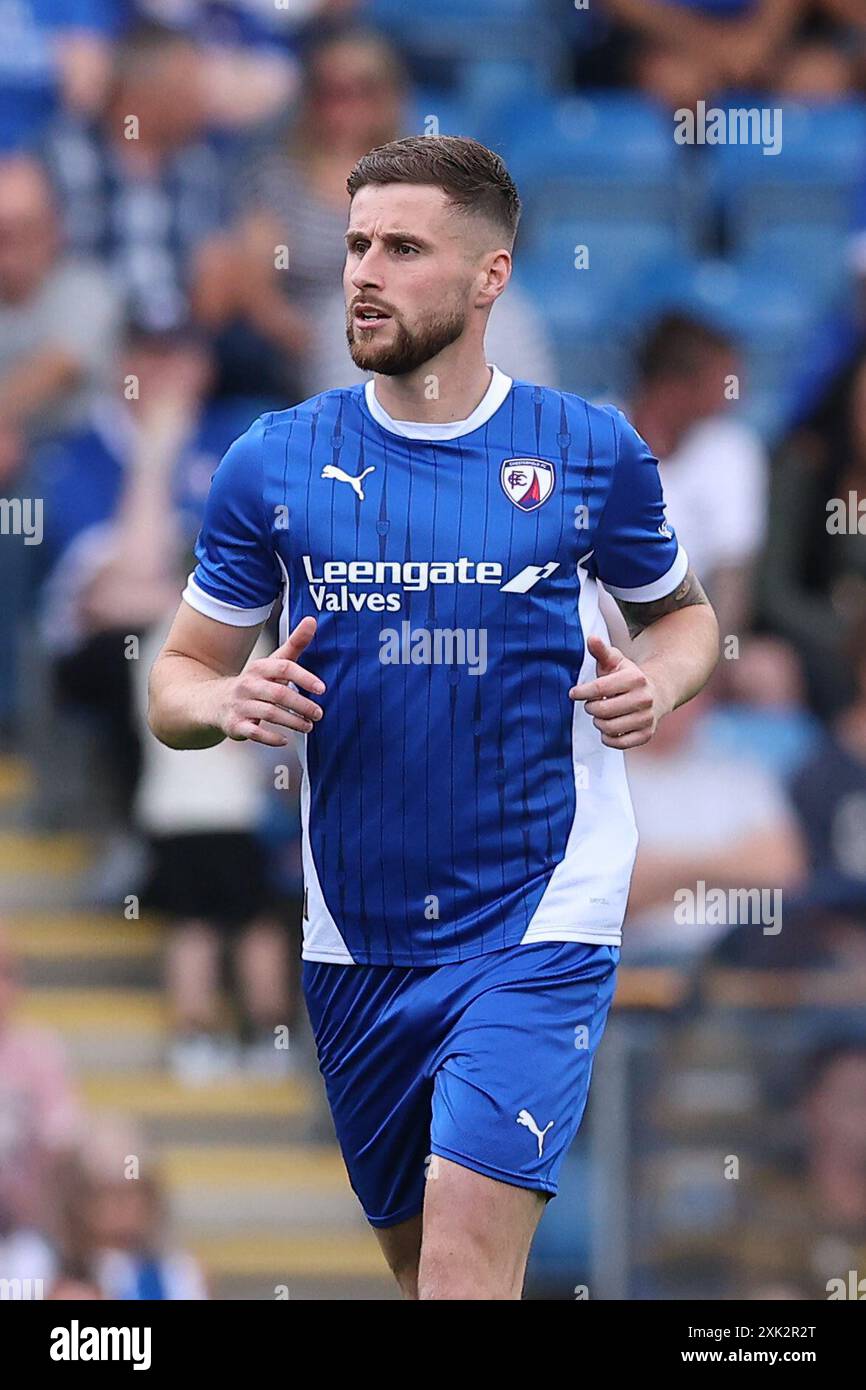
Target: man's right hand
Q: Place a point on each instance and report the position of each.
(260, 695)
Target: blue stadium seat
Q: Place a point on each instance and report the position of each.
(755, 304)
(440, 39)
(609, 136)
(607, 155)
(809, 254)
(572, 301)
(811, 180)
(580, 306)
(821, 144)
(453, 115)
(615, 249)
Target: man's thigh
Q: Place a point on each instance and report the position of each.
(477, 1234)
(511, 1079)
(472, 1241)
(511, 1085)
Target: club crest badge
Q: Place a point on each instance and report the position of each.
(527, 482)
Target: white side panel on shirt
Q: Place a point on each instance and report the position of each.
(586, 897)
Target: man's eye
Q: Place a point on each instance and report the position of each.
(405, 246)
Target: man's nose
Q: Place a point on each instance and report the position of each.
(369, 271)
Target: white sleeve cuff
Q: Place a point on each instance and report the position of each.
(659, 588)
(223, 612)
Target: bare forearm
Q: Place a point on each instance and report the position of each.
(675, 641)
(204, 688)
(679, 652)
(186, 700)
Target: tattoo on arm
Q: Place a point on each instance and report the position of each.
(641, 615)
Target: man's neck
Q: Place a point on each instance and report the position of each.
(437, 393)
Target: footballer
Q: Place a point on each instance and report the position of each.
(436, 538)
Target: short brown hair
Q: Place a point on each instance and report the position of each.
(474, 178)
(677, 345)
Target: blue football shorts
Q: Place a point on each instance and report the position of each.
(486, 1062)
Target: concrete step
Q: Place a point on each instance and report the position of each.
(265, 1187)
(86, 948)
(72, 935)
(237, 1111)
(34, 853)
(310, 1264)
(42, 869)
(16, 790)
(115, 1028)
(307, 1288)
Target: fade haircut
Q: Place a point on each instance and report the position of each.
(474, 179)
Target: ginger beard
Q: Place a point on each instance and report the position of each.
(407, 348)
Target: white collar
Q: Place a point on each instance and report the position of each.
(493, 398)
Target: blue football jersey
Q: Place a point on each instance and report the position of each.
(454, 799)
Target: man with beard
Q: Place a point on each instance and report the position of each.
(468, 837)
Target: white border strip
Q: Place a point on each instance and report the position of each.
(222, 612)
(659, 588)
(493, 398)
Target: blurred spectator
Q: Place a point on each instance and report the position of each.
(249, 49)
(249, 70)
(57, 340)
(765, 715)
(140, 186)
(53, 54)
(829, 795)
(122, 526)
(126, 1224)
(803, 1227)
(294, 195)
(40, 1124)
(713, 466)
(702, 817)
(210, 877)
(813, 587)
(123, 505)
(684, 50)
(58, 318)
(117, 1243)
(111, 546)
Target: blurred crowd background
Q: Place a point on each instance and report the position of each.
(172, 208)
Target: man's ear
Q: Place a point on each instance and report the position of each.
(496, 272)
